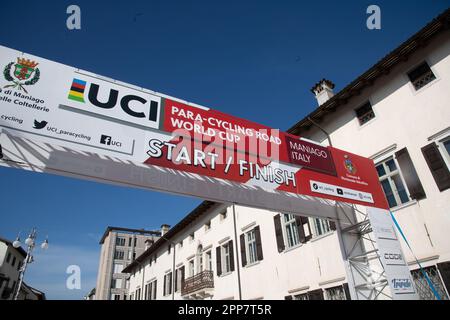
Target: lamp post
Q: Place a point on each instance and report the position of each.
(30, 242)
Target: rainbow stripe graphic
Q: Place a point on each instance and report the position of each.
(77, 90)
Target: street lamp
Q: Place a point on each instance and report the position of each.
(30, 242)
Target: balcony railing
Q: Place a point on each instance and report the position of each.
(202, 280)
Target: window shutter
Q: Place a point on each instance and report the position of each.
(410, 175)
(230, 246)
(437, 166)
(164, 285)
(218, 261)
(444, 270)
(243, 255)
(301, 231)
(182, 274)
(332, 224)
(170, 283)
(259, 251)
(347, 291)
(278, 232)
(288, 298)
(176, 280)
(155, 288)
(305, 220)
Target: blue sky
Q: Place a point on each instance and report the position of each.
(252, 59)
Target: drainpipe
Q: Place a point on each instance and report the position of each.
(237, 253)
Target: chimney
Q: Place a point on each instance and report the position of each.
(323, 90)
(164, 229)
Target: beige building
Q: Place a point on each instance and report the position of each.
(396, 113)
(120, 247)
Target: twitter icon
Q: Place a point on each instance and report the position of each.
(39, 124)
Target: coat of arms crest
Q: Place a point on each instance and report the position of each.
(23, 70)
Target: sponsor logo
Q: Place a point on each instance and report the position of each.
(24, 69)
(104, 139)
(39, 124)
(132, 105)
(77, 90)
(402, 284)
(340, 191)
(349, 166)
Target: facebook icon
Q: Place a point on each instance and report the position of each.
(105, 140)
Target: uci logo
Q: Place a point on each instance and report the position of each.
(107, 101)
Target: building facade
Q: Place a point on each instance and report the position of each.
(120, 247)
(11, 260)
(396, 113)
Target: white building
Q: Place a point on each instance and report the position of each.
(11, 260)
(396, 113)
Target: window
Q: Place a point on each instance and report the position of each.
(167, 284)
(365, 113)
(422, 286)
(118, 254)
(303, 296)
(392, 183)
(19, 265)
(321, 226)
(13, 262)
(8, 257)
(150, 291)
(208, 225)
(129, 241)
(180, 244)
(115, 296)
(135, 241)
(120, 241)
(134, 255)
(251, 246)
(146, 291)
(225, 258)
(223, 215)
(290, 231)
(199, 259)
(168, 248)
(421, 76)
(153, 290)
(129, 254)
(191, 236)
(179, 278)
(226, 261)
(116, 283)
(191, 268)
(138, 294)
(335, 293)
(118, 267)
(208, 260)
